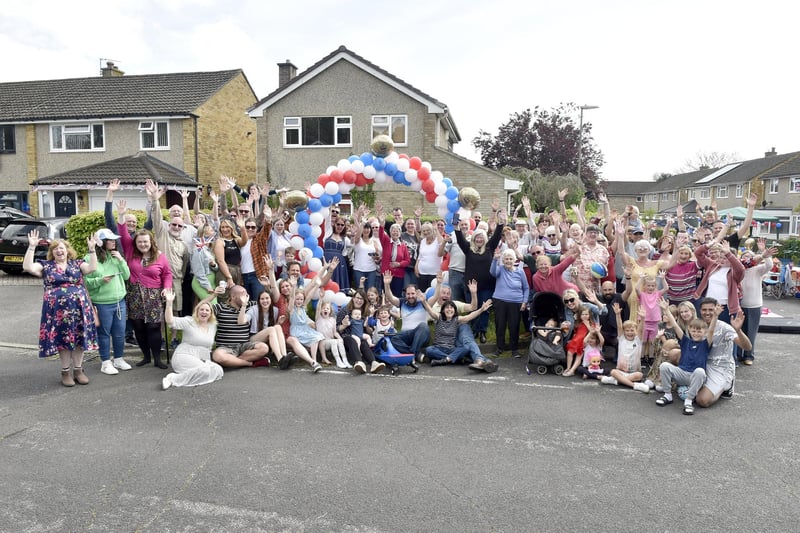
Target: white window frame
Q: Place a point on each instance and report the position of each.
(150, 127)
(341, 124)
(379, 123)
(674, 195)
(794, 184)
(692, 194)
(774, 184)
(740, 191)
(705, 193)
(722, 191)
(654, 197)
(60, 133)
(665, 196)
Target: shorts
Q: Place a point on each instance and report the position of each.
(237, 349)
(650, 331)
(717, 382)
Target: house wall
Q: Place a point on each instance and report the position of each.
(226, 136)
(14, 167)
(784, 197)
(342, 89)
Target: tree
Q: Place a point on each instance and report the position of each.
(707, 160)
(543, 190)
(543, 140)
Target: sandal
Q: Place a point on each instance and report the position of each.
(664, 401)
(688, 409)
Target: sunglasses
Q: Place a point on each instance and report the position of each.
(537, 252)
(551, 235)
(244, 211)
(251, 227)
(376, 227)
(569, 300)
(174, 225)
(339, 225)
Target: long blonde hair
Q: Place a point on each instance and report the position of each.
(474, 247)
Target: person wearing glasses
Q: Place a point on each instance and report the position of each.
(572, 303)
(228, 251)
(337, 245)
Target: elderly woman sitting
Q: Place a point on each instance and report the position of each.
(510, 298)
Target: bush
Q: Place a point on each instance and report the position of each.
(80, 227)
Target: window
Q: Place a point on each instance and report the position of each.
(7, 140)
(639, 199)
(665, 196)
(794, 184)
(739, 190)
(317, 131)
(76, 137)
(773, 186)
(154, 135)
(395, 126)
(705, 194)
(692, 194)
(675, 196)
(654, 197)
(722, 191)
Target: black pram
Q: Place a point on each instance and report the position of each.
(543, 354)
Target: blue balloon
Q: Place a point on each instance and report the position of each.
(352, 158)
(399, 177)
(390, 169)
(367, 159)
(429, 292)
(314, 205)
(301, 217)
(453, 206)
(379, 163)
(447, 181)
(337, 197)
(304, 230)
(451, 192)
(448, 228)
(310, 242)
(318, 252)
(326, 200)
(448, 218)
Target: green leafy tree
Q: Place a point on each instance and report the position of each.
(542, 190)
(544, 140)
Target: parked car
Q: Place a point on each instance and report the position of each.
(14, 240)
(9, 214)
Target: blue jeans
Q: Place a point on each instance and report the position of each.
(111, 330)
(465, 339)
(457, 286)
(480, 324)
(454, 354)
(251, 285)
(371, 281)
(752, 319)
(412, 341)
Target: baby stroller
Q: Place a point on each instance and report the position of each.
(386, 353)
(543, 354)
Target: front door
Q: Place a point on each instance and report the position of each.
(65, 203)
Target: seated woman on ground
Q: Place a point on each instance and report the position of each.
(443, 350)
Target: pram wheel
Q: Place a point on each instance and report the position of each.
(541, 370)
(394, 370)
(558, 369)
(413, 366)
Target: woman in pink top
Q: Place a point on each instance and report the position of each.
(150, 275)
(548, 278)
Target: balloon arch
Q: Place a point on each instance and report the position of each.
(381, 165)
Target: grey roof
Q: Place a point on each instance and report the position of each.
(680, 181)
(753, 168)
(625, 188)
(130, 170)
(117, 96)
(790, 167)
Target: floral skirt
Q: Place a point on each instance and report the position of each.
(145, 304)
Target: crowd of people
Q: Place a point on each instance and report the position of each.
(671, 308)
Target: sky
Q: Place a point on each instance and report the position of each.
(670, 79)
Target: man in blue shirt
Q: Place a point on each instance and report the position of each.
(414, 332)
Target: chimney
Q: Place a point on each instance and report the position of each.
(111, 70)
(286, 71)
(770, 153)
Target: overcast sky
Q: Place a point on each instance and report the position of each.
(670, 78)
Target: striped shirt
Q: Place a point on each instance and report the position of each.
(681, 281)
(229, 331)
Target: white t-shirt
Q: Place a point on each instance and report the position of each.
(362, 261)
(429, 263)
(718, 285)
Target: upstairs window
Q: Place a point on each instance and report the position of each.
(317, 131)
(773, 185)
(794, 184)
(739, 190)
(395, 126)
(76, 137)
(705, 194)
(7, 140)
(722, 191)
(154, 135)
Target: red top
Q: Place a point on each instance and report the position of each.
(403, 257)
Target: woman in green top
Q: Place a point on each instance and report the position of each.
(106, 287)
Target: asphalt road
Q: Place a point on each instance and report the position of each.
(441, 450)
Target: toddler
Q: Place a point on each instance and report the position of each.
(357, 328)
(629, 354)
(326, 324)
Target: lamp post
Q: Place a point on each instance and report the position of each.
(580, 136)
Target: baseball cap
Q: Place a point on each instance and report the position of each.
(106, 234)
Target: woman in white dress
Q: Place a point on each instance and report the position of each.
(191, 361)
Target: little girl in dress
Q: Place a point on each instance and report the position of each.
(301, 327)
(326, 324)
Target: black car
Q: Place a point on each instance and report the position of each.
(14, 240)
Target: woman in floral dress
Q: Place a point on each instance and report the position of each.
(67, 325)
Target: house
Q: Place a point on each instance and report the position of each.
(624, 193)
(337, 106)
(63, 140)
(781, 197)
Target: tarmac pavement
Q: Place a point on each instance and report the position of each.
(446, 449)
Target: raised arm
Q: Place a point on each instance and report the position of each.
(426, 305)
(387, 289)
(671, 322)
(108, 211)
(748, 218)
(476, 313)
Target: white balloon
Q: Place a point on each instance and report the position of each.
(403, 165)
(441, 201)
(343, 165)
(411, 175)
(330, 169)
(440, 188)
(417, 186)
(370, 172)
(437, 175)
(442, 210)
(293, 227)
(305, 254)
(316, 190)
(427, 165)
(316, 231)
(345, 188)
(380, 177)
(434, 282)
(314, 264)
(392, 158)
(331, 187)
(340, 299)
(328, 296)
(315, 219)
(357, 166)
(296, 242)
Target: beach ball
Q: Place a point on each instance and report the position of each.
(599, 270)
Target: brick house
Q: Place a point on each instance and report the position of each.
(64, 139)
(337, 106)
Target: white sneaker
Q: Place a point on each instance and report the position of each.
(659, 388)
(608, 380)
(121, 363)
(167, 381)
(360, 367)
(641, 387)
(108, 368)
(376, 367)
(650, 384)
(316, 367)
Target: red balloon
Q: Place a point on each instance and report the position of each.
(332, 286)
(415, 162)
(349, 177)
(304, 269)
(428, 186)
(361, 180)
(430, 196)
(337, 175)
(403, 156)
(308, 274)
(423, 173)
(323, 179)
(472, 224)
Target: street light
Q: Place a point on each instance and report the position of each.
(580, 136)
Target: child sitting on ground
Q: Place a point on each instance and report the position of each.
(357, 328)
(629, 354)
(592, 345)
(326, 324)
